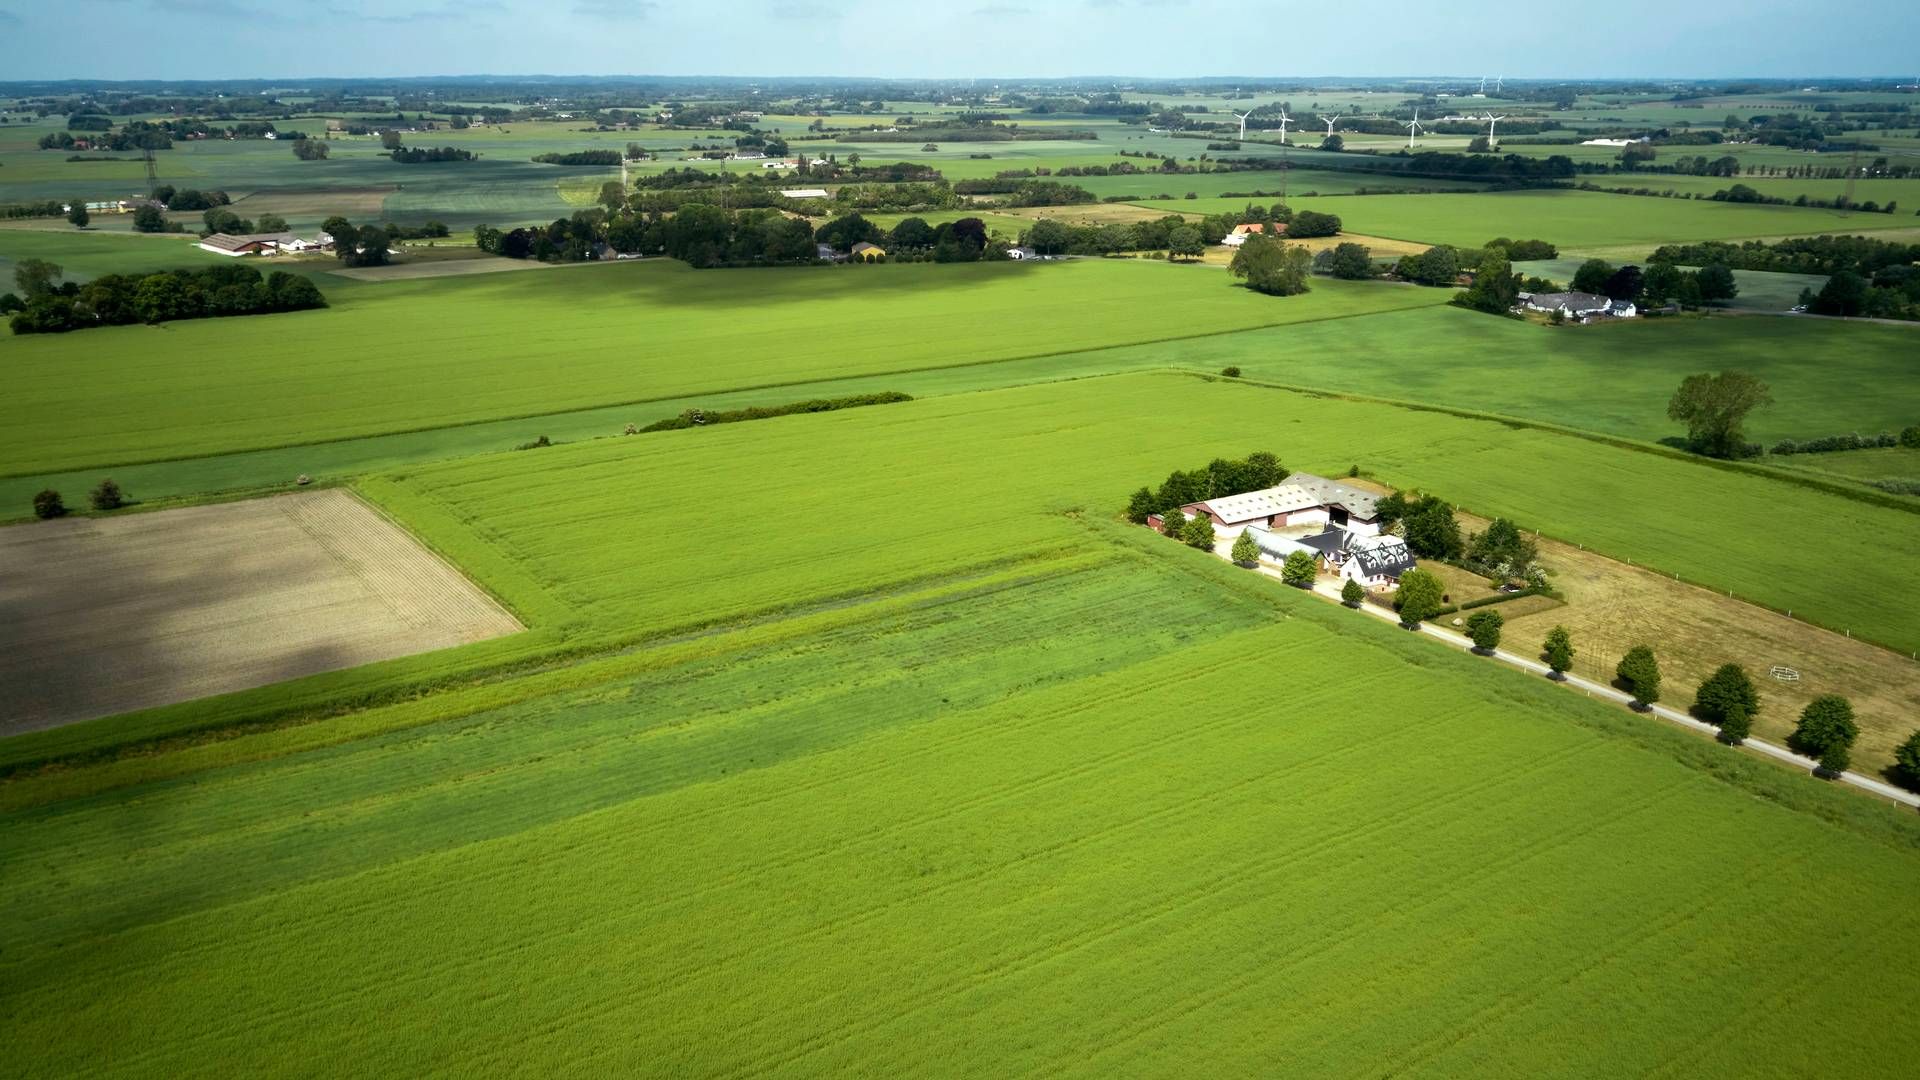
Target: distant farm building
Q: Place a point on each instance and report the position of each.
(260, 243)
(1019, 253)
(804, 193)
(868, 252)
(1240, 232)
(1304, 499)
(1579, 306)
(1375, 561)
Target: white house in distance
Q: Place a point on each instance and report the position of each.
(1375, 561)
(1240, 232)
(260, 244)
(1576, 305)
(804, 193)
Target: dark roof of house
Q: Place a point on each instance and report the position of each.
(1572, 301)
(1328, 541)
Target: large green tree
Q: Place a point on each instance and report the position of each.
(1559, 651)
(1495, 288)
(1271, 266)
(1184, 243)
(1483, 627)
(1592, 276)
(1825, 723)
(1419, 597)
(1729, 690)
(35, 277)
(1298, 570)
(1715, 408)
(1640, 673)
(77, 213)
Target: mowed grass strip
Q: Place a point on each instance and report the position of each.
(1135, 861)
(864, 497)
(405, 356)
(1574, 220)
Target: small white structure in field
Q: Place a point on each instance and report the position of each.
(804, 193)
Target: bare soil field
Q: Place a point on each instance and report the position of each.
(106, 615)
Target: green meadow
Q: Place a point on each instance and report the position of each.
(955, 835)
(410, 355)
(1573, 220)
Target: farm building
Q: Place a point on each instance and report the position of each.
(1240, 233)
(1375, 561)
(804, 193)
(868, 252)
(1019, 253)
(1575, 305)
(248, 244)
(1304, 499)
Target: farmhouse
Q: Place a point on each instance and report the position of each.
(1019, 252)
(1575, 305)
(1240, 232)
(868, 252)
(1375, 561)
(804, 193)
(249, 243)
(1304, 499)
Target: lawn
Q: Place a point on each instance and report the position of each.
(405, 356)
(1029, 827)
(1573, 220)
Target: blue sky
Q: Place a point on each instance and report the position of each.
(979, 38)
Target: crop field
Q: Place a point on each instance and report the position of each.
(132, 612)
(1573, 220)
(520, 344)
(974, 843)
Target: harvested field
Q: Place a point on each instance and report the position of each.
(123, 613)
(455, 267)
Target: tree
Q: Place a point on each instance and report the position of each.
(1503, 548)
(1835, 759)
(149, 219)
(1271, 266)
(1184, 243)
(1048, 237)
(1845, 293)
(48, 504)
(1419, 597)
(1480, 144)
(390, 139)
(1173, 522)
(1716, 283)
(312, 149)
(1352, 594)
(1333, 144)
(1430, 529)
(1245, 551)
(1907, 757)
(1661, 284)
(1299, 570)
(914, 232)
(1308, 224)
(1559, 650)
(1351, 262)
(1826, 722)
(1714, 408)
(1198, 532)
(1483, 627)
(77, 213)
(1140, 506)
(35, 277)
(1640, 673)
(271, 223)
(1592, 276)
(1727, 691)
(1438, 265)
(1735, 726)
(843, 232)
(1495, 288)
(1623, 284)
(108, 496)
(613, 196)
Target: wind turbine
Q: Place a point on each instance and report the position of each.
(1412, 126)
(1243, 122)
(1498, 81)
(1284, 121)
(1483, 86)
(1331, 120)
(1491, 120)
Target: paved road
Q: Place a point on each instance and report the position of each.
(1331, 591)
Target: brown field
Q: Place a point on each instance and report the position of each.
(357, 204)
(1378, 246)
(1611, 607)
(1090, 214)
(454, 263)
(105, 615)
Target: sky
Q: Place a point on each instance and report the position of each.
(207, 39)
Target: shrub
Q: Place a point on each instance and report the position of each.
(1173, 522)
(1198, 532)
(48, 504)
(1910, 437)
(1735, 726)
(1640, 673)
(108, 496)
(1835, 759)
(1826, 722)
(1484, 628)
(1559, 650)
(1907, 757)
(1353, 595)
(1141, 506)
(535, 444)
(1725, 692)
(1419, 597)
(1230, 372)
(1299, 570)
(1245, 551)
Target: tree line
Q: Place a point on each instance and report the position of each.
(49, 306)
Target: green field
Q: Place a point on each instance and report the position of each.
(409, 355)
(1573, 220)
(949, 834)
